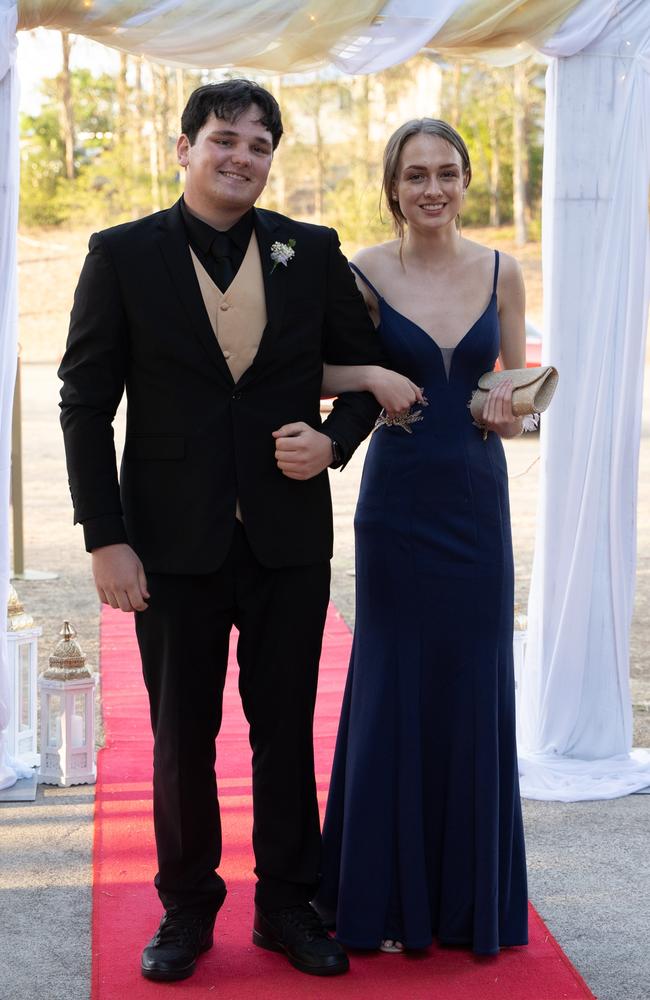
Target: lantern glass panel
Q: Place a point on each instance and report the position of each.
(78, 722)
(55, 710)
(24, 687)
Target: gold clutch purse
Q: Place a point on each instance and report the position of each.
(532, 390)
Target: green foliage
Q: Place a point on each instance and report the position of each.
(94, 101)
(353, 210)
(485, 102)
(328, 167)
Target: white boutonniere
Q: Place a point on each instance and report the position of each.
(281, 253)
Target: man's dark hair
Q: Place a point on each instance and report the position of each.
(229, 100)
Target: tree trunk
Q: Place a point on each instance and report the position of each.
(427, 89)
(154, 166)
(180, 99)
(67, 110)
(122, 98)
(495, 164)
(278, 180)
(519, 153)
(138, 128)
(528, 208)
(363, 125)
(161, 80)
(455, 96)
(320, 156)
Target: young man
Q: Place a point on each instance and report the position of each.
(222, 515)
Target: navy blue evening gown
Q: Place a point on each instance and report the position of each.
(423, 833)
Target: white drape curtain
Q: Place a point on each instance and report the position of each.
(9, 770)
(582, 27)
(575, 718)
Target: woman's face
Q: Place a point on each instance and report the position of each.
(429, 183)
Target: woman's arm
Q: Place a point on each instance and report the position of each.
(512, 314)
(497, 414)
(394, 392)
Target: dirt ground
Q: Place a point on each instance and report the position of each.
(49, 262)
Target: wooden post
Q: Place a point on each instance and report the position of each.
(17, 479)
(19, 571)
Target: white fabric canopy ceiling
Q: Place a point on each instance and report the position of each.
(290, 35)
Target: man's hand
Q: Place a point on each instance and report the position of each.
(300, 451)
(119, 577)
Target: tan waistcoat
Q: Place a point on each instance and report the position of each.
(238, 316)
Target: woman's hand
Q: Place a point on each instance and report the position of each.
(497, 412)
(394, 392)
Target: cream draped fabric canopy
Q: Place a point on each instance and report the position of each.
(9, 166)
(575, 708)
(290, 35)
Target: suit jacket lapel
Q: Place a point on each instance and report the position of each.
(172, 242)
(269, 231)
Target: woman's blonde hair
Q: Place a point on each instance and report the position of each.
(393, 151)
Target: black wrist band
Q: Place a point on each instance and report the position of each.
(337, 457)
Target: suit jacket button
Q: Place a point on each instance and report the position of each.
(224, 307)
(236, 395)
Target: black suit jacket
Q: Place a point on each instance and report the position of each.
(195, 440)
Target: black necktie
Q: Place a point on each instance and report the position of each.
(220, 250)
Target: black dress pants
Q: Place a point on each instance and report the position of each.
(183, 638)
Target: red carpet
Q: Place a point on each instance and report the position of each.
(126, 909)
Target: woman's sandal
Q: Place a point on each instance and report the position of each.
(391, 947)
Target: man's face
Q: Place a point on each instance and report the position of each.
(227, 167)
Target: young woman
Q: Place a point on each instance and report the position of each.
(423, 833)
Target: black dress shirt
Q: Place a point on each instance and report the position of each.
(211, 245)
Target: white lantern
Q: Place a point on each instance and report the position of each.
(22, 651)
(67, 716)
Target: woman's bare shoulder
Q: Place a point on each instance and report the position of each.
(373, 260)
(509, 267)
(475, 252)
(510, 273)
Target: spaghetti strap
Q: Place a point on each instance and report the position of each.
(496, 271)
(365, 280)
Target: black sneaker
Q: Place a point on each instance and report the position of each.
(182, 936)
(298, 931)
